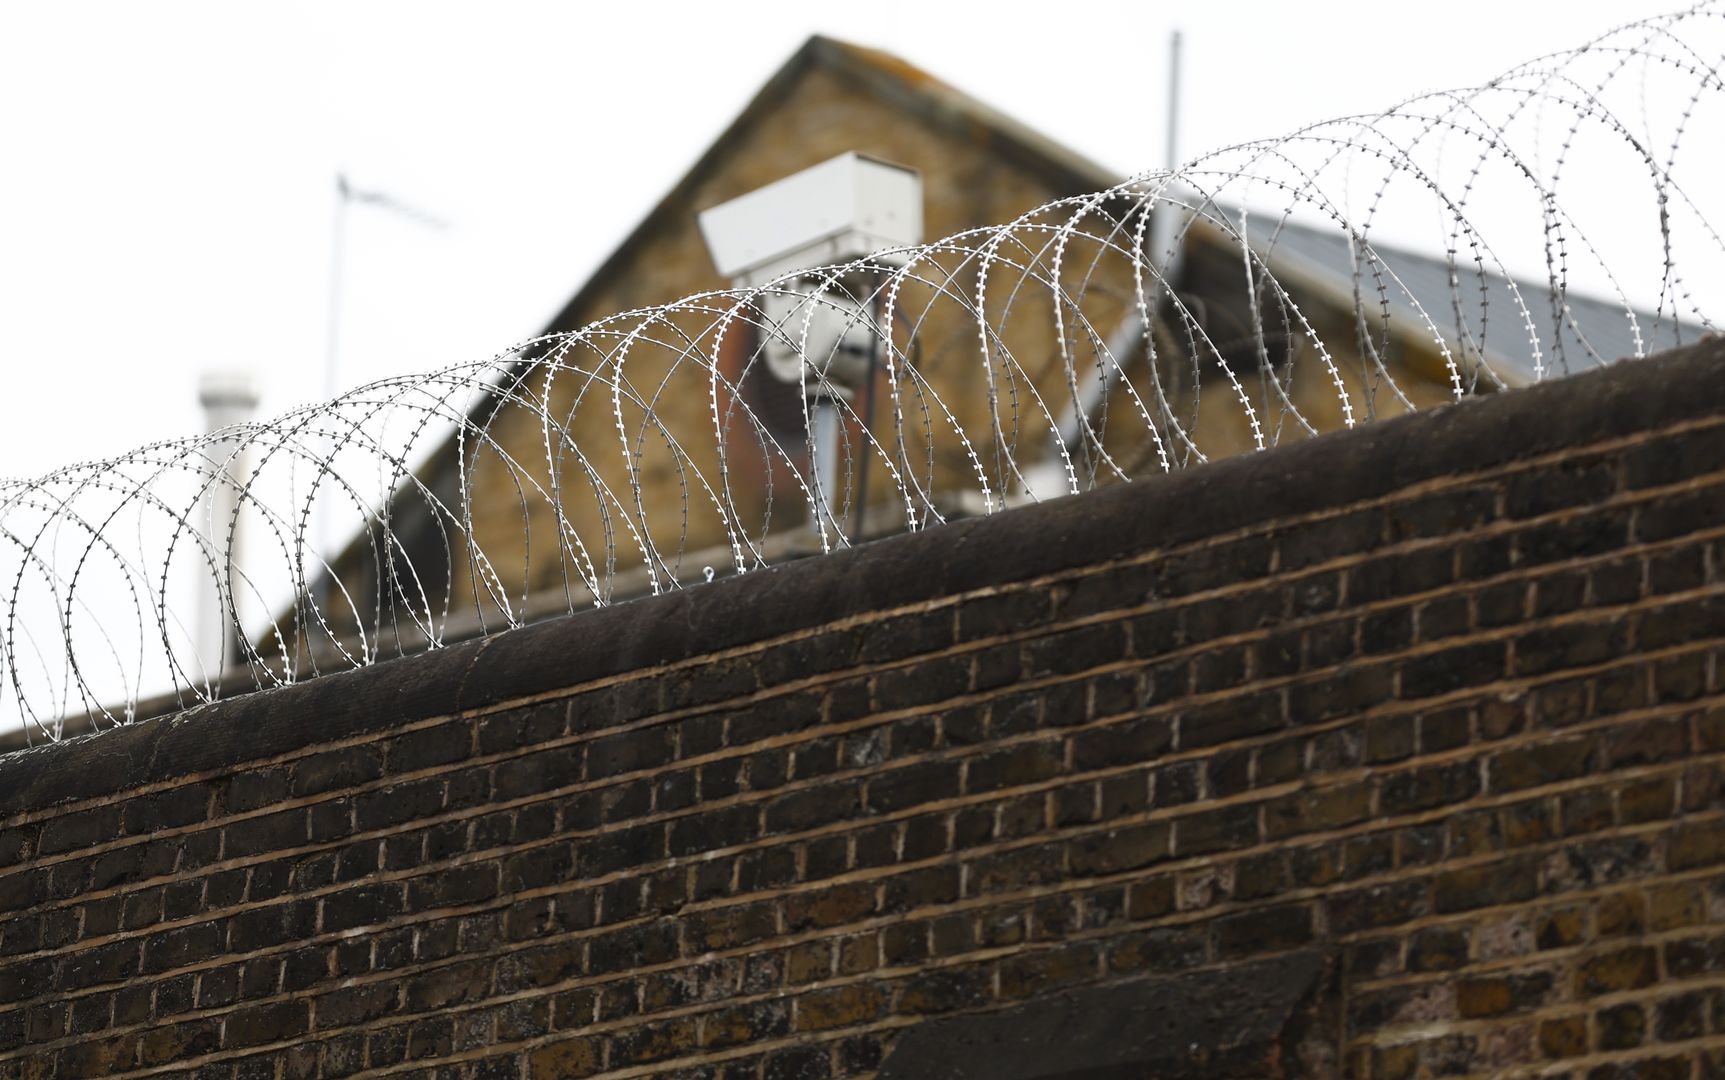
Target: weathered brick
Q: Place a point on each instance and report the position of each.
(1027, 763)
(1485, 886)
(1230, 718)
(1451, 669)
(1568, 538)
(1679, 513)
(1401, 574)
(924, 682)
(360, 906)
(630, 751)
(448, 986)
(1042, 970)
(1438, 948)
(813, 807)
(1427, 787)
(94, 966)
(1563, 1036)
(513, 729)
(1120, 849)
(258, 789)
(399, 803)
(1440, 513)
(797, 1063)
(1498, 995)
(715, 681)
(1541, 763)
(1222, 829)
(460, 885)
(1390, 739)
(1121, 744)
(1620, 1027)
(95, 1057)
(732, 926)
(266, 1023)
(1647, 742)
(1696, 844)
(911, 635)
(169, 1043)
(899, 789)
(1559, 593)
(1163, 949)
(267, 927)
(1322, 540)
(641, 945)
(713, 828)
(1207, 620)
(91, 1013)
(843, 1006)
(355, 1005)
(1559, 486)
(1624, 969)
(1682, 623)
(1345, 691)
(1015, 870)
(1210, 566)
(606, 853)
(1318, 809)
(81, 829)
(134, 862)
(1263, 930)
(439, 744)
(1620, 913)
(581, 1056)
(176, 807)
(1569, 645)
(1221, 668)
(1669, 460)
(745, 1023)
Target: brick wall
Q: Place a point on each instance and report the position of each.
(1393, 753)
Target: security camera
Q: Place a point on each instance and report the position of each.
(819, 329)
(842, 209)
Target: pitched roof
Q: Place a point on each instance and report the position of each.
(892, 80)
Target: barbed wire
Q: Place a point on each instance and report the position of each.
(1232, 304)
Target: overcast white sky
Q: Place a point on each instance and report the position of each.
(166, 201)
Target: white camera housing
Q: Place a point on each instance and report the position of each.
(819, 331)
(844, 208)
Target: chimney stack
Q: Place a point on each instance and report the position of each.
(229, 398)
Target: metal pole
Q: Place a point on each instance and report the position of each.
(337, 252)
(858, 534)
(332, 375)
(1162, 221)
(228, 398)
(1126, 342)
(1171, 158)
(323, 528)
(824, 419)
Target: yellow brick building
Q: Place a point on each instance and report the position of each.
(647, 501)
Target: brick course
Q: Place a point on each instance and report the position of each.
(1435, 705)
